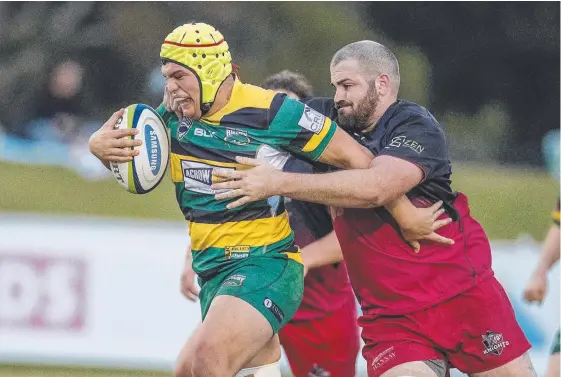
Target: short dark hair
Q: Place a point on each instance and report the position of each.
(290, 82)
(373, 57)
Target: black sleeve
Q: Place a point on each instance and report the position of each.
(323, 105)
(421, 141)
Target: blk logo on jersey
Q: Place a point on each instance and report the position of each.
(203, 133)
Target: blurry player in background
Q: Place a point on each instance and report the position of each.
(422, 313)
(537, 286)
(322, 339)
(249, 269)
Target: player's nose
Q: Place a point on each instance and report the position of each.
(171, 86)
(340, 96)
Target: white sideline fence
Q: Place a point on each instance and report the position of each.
(105, 292)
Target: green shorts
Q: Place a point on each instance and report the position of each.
(272, 284)
(556, 343)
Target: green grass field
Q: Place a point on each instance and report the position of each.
(48, 371)
(508, 202)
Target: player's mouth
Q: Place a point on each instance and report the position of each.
(183, 105)
(345, 110)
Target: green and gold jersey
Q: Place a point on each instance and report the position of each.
(255, 123)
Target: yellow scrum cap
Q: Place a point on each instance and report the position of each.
(202, 49)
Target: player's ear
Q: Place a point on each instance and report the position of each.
(382, 83)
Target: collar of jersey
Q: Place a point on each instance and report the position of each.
(230, 106)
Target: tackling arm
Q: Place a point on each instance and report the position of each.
(387, 179)
(322, 252)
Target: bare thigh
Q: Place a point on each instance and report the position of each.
(183, 364)
(411, 369)
(233, 336)
(553, 368)
(519, 367)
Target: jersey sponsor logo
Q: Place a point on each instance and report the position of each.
(237, 252)
(494, 343)
(402, 141)
(202, 175)
(235, 280)
(201, 132)
(238, 137)
(312, 120)
(154, 149)
(198, 177)
(383, 357)
(273, 308)
(184, 127)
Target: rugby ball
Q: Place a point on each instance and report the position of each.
(145, 171)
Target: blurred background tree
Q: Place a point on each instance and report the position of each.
(489, 71)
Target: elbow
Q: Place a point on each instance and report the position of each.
(369, 197)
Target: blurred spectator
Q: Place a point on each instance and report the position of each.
(58, 111)
(155, 86)
(550, 150)
(58, 133)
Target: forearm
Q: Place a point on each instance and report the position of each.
(550, 251)
(322, 252)
(349, 188)
(403, 211)
(189, 256)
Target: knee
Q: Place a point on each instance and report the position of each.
(207, 361)
(182, 368)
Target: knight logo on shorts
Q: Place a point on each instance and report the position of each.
(273, 308)
(494, 343)
(318, 371)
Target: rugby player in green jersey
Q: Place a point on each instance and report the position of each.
(249, 269)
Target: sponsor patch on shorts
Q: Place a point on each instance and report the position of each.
(383, 357)
(273, 308)
(235, 280)
(237, 252)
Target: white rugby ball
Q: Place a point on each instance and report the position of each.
(145, 171)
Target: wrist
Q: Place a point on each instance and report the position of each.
(278, 184)
(541, 272)
(306, 260)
